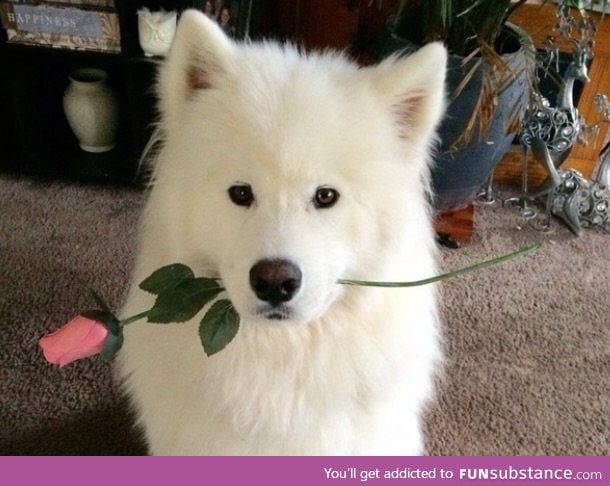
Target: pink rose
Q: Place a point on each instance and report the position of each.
(79, 338)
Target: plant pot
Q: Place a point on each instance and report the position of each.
(91, 109)
(458, 173)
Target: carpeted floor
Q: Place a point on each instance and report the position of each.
(527, 367)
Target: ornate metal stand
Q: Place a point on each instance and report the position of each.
(550, 133)
(581, 203)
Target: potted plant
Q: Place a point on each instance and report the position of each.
(490, 71)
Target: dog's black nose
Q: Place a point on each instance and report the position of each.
(274, 280)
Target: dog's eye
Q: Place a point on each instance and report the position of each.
(325, 197)
(241, 194)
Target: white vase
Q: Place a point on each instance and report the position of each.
(91, 109)
(156, 31)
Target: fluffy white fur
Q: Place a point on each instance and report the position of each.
(350, 370)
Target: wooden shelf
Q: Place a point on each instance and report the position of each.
(33, 79)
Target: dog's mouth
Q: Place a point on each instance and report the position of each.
(279, 313)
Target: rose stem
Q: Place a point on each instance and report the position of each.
(454, 273)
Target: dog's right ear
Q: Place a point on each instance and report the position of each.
(414, 86)
(200, 53)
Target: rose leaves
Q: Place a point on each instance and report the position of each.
(180, 296)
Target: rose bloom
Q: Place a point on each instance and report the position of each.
(79, 338)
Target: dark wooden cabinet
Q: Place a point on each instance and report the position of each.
(34, 135)
(43, 142)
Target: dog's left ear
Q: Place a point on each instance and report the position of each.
(415, 88)
(200, 54)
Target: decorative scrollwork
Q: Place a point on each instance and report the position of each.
(550, 132)
(581, 203)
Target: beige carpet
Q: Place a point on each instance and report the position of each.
(527, 344)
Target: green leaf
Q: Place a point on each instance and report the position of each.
(218, 327)
(181, 303)
(166, 278)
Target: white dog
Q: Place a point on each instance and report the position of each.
(281, 173)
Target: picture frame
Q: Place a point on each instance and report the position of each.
(233, 16)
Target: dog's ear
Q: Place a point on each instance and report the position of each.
(200, 53)
(415, 88)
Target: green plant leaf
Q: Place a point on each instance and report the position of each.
(218, 327)
(181, 303)
(167, 277)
